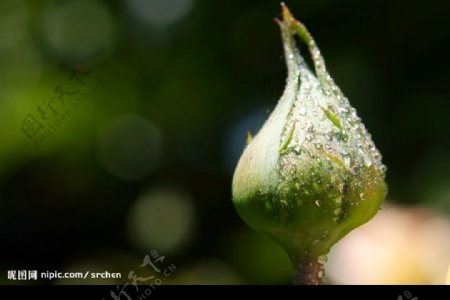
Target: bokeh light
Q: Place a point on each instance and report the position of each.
(163, 220)
(399, 246)
(130, 147)
(78, 29)
(159, 12)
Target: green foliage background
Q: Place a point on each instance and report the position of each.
(196, 80)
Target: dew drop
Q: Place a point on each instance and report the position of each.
(347, 161)
(366, 158)
(302, 110)
(343, 151)
(322, 259)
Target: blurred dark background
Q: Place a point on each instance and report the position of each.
(121, 123)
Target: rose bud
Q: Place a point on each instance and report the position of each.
(312, 173)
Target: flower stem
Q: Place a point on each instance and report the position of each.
(308, 271)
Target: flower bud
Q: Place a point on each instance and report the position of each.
(312, 173)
